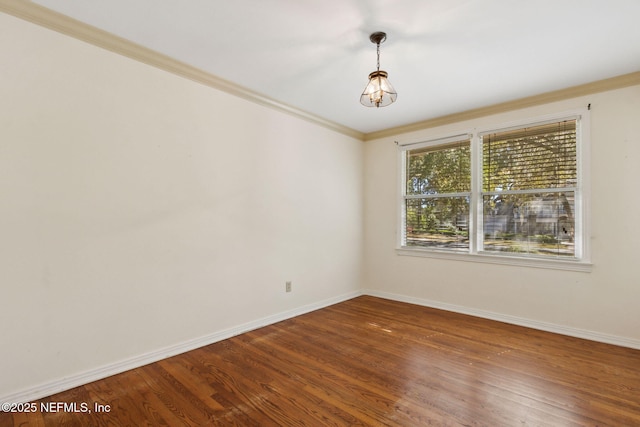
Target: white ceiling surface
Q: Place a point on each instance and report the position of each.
(442, 56)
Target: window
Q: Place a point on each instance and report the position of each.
(509, 193)
(438, 196)
(529, 179)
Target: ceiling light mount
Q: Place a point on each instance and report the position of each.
(378, 37)
(379, 92)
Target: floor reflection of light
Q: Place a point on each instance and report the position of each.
(375, 325)
(456, 384)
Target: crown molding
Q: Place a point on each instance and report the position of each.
(48, 18)
(612, 83)
(63, 24)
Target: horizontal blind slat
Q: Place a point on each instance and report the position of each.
(539, 156)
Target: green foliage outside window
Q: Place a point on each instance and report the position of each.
(528, 191)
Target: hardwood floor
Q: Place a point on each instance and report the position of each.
(373, 362)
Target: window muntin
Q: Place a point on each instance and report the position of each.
(519, 190)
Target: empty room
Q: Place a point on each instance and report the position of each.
(320, 213)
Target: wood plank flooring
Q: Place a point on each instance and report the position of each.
(369, 362)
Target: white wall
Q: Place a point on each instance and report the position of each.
(604, 301)
(139, 209)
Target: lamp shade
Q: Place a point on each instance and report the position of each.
(379, 92)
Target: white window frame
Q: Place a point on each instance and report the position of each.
(581, 261)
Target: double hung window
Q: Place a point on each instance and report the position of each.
(511, 192)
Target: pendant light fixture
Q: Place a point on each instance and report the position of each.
(379, 92)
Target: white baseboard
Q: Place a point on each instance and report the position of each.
(57, 386)
(520, 321)
(76, 380)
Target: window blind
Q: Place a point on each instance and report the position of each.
(439, 170)
(536, 157)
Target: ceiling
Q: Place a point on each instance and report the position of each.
(442, 56)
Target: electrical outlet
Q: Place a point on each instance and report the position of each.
(287, 287)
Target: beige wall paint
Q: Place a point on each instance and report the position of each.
(604, 301)
(139, 209)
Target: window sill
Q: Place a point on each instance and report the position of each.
(554, 264)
